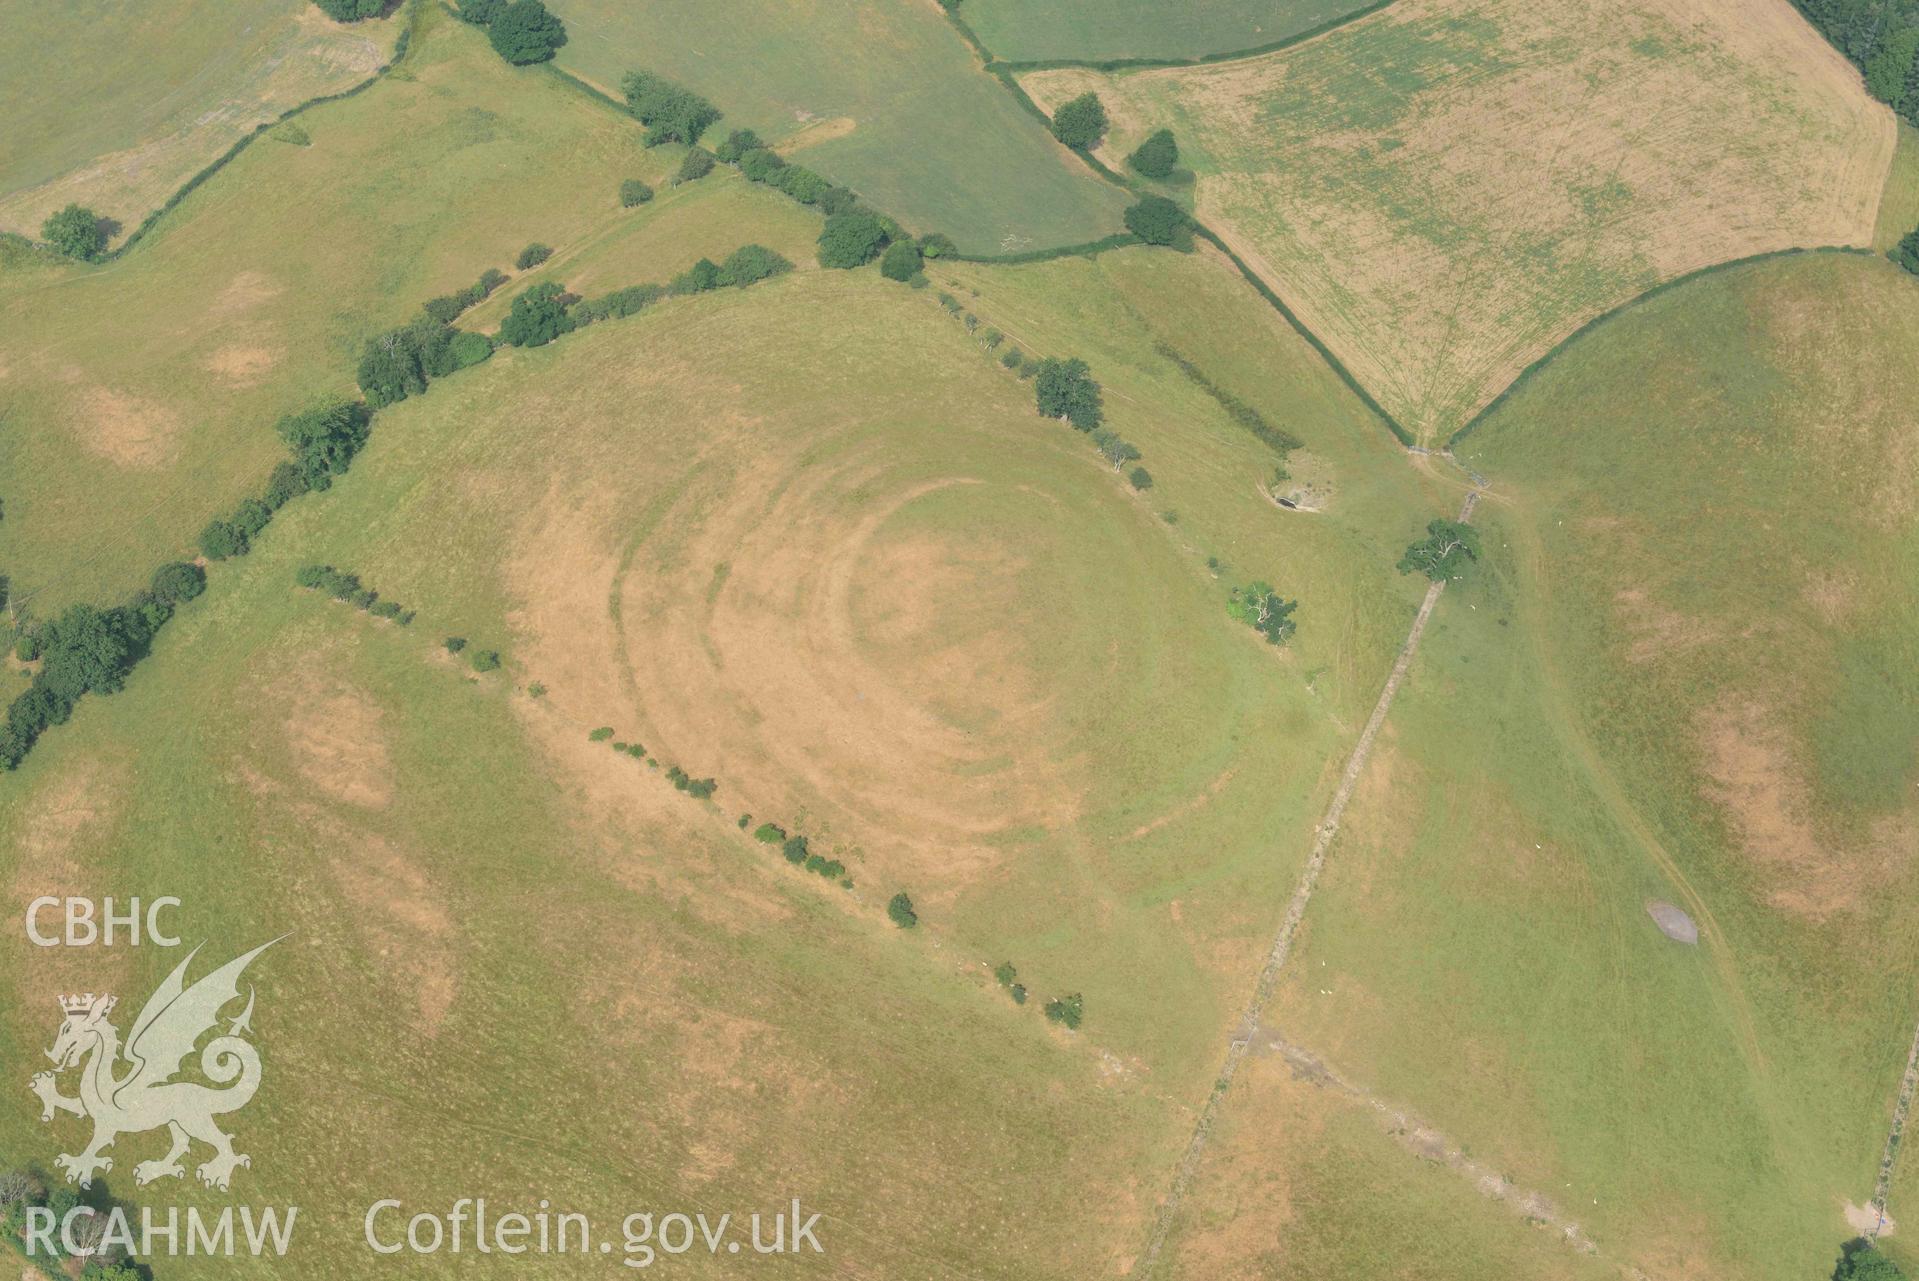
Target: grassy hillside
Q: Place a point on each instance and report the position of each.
(1447, 188)
(140, 396)
(1687, 676)
(812, 541)
(114, 106)
(886, 98)
(1104, 29)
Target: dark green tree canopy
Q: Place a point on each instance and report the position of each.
(737, 144)
(1156, 157)
(75, 231)
(1158, 221)
(537, 317)
(1863, 1262)
(479, 12)
(750, 263)
(1081, 122)
(697, 279)
(852, 239)
(634, 192)
(221, 539)
(1447, 551)
(1260, 608)
(524, 32)
(1065, 389)
(697, 163)
(901, 260)
(179, 581)
(761, 164)
(324, 440)
(350, 10)
(669, 112)
(1907, 252)
(900, 910)
(85, 650)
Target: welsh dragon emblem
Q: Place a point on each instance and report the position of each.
(129, 1089)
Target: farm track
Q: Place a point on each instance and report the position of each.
(1268, 977)
(1882, 1188)
(1430, 1145)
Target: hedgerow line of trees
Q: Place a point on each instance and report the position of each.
(348, 589)
(89, 649)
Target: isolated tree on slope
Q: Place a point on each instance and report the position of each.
(1447, 550)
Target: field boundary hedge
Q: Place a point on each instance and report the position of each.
(1299, 327)
(1013, 66)
(1525, 375)
(1004, 73)
(192, 184)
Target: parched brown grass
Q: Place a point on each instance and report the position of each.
(1445, 190)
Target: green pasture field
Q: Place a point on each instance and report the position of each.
(1299, 1181)
(1445, 189)
(115, 106)
(1099, 30)
(897, 106)
(664, 1010)
(1899, 206)
(1686, 674)
(140, 396)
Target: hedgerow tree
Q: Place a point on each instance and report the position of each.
(324, 440)
(1140, 478)
(669, 112)
(398, 363)
(802, 184)
(936, 244)
(901, 260)
(697, 279)
(221, 539)
(696, 164)
(1157, 221)
(737, 144)
(75, 231)
(762, 164)
(1907, 252)
(350, 10)
(479, 12)
(86, 650)
(180, 581)
(537, 317)
(900, 911)
(532, 256)
(1081, 122)
(1156, 156)
(525, 32)
(1066, 1009)
(1064, 389)
(1447, 551)
(634, 192)
(851, 239)
(750, 263)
